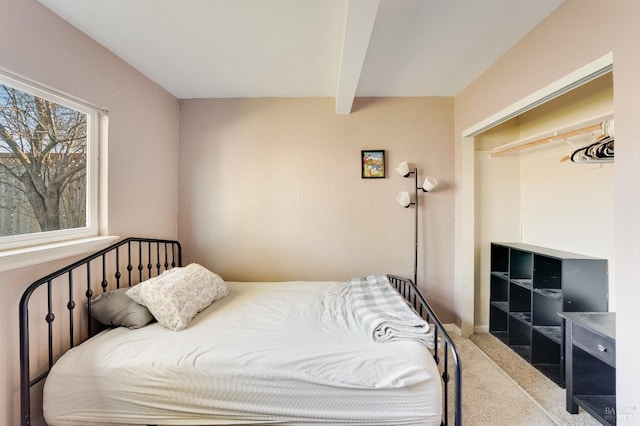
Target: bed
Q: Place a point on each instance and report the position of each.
(258, 353)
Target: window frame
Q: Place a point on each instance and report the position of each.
(20, 243)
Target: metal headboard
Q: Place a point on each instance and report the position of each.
(409, 291)
(126, 263)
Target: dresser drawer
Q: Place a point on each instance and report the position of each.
(601, 347)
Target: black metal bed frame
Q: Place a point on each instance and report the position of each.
(139, 254)
(131, 261)
(443, 345)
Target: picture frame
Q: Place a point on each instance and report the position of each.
(373, 164)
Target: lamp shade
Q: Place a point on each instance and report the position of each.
(404, 199)
(403, 168)
(429, 183)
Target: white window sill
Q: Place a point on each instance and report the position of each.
(19, 258)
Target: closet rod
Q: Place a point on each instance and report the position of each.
(553, 138)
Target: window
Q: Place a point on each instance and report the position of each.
(48, 166)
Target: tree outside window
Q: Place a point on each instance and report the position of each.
(43, 164)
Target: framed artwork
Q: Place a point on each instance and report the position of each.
(373, 164)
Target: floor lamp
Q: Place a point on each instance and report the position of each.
(404, 199)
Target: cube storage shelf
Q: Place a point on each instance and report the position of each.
(530, 285)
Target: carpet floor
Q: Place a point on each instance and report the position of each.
(500, 388)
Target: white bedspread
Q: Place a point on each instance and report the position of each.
(287, 353)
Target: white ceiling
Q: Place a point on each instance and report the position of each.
(307, 48)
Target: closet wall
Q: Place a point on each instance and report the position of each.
(535, 195)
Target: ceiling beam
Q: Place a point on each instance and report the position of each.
(359, 20)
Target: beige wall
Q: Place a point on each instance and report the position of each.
(498, 194)
(568, 39)
(276, 181)
(270, 189)
(143, 135)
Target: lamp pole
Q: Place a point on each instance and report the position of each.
(404, 199)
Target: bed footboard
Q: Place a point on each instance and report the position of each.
(443, 345)
(59, 305)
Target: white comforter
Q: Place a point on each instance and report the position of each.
(285, 353)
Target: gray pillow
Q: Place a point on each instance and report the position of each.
(117, 309)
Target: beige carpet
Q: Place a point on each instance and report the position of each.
(490, 396)
(496, 379)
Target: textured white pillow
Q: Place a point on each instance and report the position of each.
(177, 295)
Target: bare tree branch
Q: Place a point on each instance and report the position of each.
(47, 142)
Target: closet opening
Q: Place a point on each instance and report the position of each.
(530, 180)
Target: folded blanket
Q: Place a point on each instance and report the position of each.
(383, 313)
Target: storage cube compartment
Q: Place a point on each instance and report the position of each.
(544, 350)
(545, 309)
(520, 335)
(547, 272)
(499, 288)
(499, 259)
(545, 356)
(519, 298)
(520, 265)
(498, 321)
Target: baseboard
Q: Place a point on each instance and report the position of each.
(480, 329)
(454, 329)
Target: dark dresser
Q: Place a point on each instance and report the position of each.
(590, 345)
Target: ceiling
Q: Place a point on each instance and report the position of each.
(307, 48)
